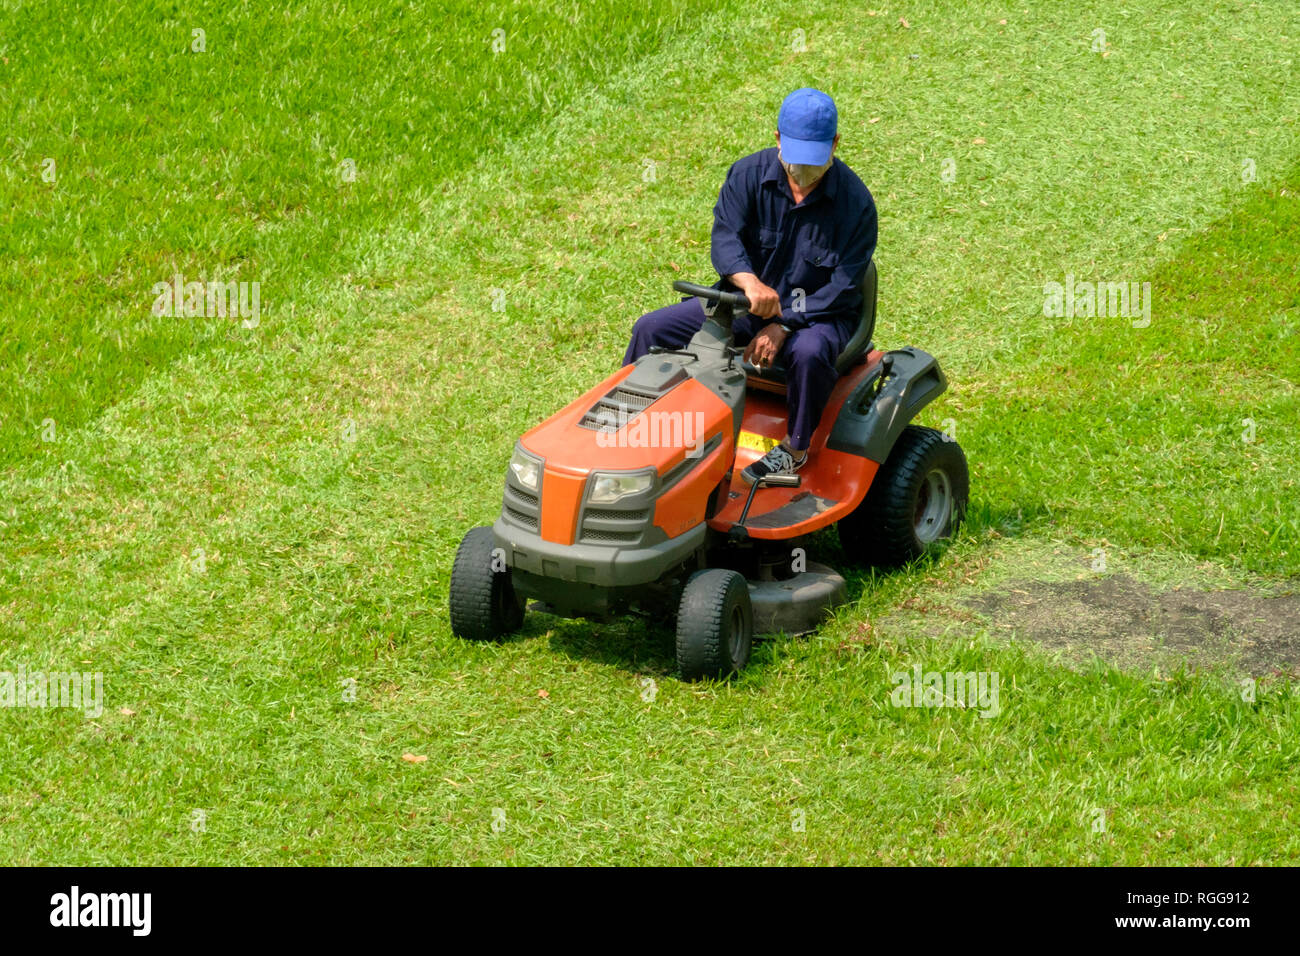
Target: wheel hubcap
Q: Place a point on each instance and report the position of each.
(736, 639)
(933, 506)
(501, 597)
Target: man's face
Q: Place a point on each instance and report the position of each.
(805, 176)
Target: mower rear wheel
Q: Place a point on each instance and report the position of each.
(917, 498)
(715, 624)
(482, 602)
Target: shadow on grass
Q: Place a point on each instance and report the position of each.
(637, 645)
(1009, 521)
(630, 643)
(641, 645)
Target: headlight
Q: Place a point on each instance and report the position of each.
(608, 488)
(527, 469)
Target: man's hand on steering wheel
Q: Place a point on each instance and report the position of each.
(763, 300)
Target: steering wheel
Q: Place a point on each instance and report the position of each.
(733, 299)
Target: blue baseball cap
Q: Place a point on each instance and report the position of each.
(807, 124)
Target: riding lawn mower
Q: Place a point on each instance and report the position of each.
(603, 516)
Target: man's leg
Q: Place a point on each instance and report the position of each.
(672, 327)
(809, 357)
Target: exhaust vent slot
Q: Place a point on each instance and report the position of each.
(616, 409)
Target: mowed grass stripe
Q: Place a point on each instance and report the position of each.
(220, 156)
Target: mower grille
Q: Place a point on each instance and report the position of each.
(522, 508)
(522, 497)
(528, 521)
(612, 525)
(603, 515)
(590, 535)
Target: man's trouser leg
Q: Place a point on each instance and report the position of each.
(672, 327)
(809, 357)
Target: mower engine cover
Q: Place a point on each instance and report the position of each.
(615, 488)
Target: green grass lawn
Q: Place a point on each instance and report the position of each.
(238, 526)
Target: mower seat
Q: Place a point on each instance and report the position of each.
(773, 377)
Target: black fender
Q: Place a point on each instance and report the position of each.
(875, 414)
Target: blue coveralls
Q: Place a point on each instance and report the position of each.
(812, 254)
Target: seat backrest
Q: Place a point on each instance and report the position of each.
(860, 343)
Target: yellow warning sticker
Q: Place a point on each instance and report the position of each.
(755, 442)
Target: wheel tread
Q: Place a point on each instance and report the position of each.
(702, 612)
(471, 604)
(880, 530)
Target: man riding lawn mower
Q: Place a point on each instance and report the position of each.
(811, 427)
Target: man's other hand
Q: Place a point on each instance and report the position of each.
(765, 346)
(763, 300)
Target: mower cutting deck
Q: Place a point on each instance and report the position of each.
(631, 497)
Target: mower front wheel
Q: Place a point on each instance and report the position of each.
(715, 624)
(482, 602)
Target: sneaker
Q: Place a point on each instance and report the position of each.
(779, 461)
